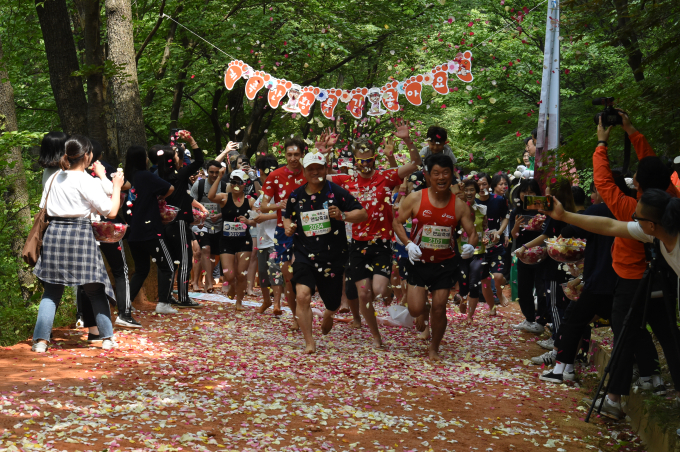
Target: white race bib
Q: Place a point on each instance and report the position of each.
(231, 229)
(436, 237)
(316, 222)
(212, 208)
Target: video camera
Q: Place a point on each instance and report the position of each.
(610, 116)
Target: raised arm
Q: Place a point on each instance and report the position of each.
(403, 133)
(595, 224)
(213, 196)
(231, 146)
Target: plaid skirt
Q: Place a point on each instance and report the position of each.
(70, 255)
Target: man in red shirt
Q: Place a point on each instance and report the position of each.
(370, 254)
(436, 213)
(279, 185)
(629, 263)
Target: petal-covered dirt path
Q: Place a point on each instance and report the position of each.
(214, 379)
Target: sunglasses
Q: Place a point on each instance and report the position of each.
(236, 182)
(365, 161)
(638, 219)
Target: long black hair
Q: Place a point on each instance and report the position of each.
(662, 208)
(135, 160)
(525, 186)
(51, 149)
(166, 163)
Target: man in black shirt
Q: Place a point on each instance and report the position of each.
(315, 216)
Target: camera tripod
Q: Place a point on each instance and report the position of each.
(643, 294)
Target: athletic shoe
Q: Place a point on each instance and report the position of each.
(547, 344)
(188, 304)
(39, 347)
(660, 390)
(521, 326)
(127, 322)
(79, 322)
(165, 308)
(547, 358)
(557, 378)
(93, 338)
(643, 384)
(609, 408)
(109, 344)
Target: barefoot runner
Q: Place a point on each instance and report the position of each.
(371, 251)
(315, 217)
(278, 187)
(435, 214)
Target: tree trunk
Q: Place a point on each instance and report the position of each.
(628, 39)
(63, 61)
(16, 197)
(96, 84)
(127, 104)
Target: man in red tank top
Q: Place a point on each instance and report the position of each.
(436, 213)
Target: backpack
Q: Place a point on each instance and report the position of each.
(201, 188)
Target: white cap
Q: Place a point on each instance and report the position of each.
(238, 173)
(314, 158)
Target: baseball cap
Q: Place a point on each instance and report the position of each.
(238, 173)
(313, 158)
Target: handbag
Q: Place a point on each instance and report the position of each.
(34, 241)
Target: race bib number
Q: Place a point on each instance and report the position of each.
(407, 226)
(231, 229)
(211, 207)
(436, 237)
(316, 222)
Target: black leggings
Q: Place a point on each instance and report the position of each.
(471, 276)
(529, 277)
(575, 323)
(115, 256)
(179, 238)
(141, 253)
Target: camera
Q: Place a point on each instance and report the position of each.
(610, 116)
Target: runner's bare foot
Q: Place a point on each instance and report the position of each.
(356, 323)
(265, 305)
(492, 312)
(343, 310)
(310, 349)
(295, 326)
(277, 311)
(504, 301)
(425, 334)
(327, 322)
(433, 355)
(463, 307)
(240, 307)
(377, 342)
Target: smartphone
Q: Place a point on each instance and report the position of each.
(538, 203)
(239, 145)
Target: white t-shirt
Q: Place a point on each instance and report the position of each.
(673, 258)
(265, 230)
(76, 194)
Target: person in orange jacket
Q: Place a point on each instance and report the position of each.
(629, 263)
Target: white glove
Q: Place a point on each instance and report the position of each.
(521, 168)
(468, 251)
(414, 252)
(528, 174)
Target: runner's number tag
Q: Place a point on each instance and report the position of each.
(211, 207)
(436, 237)
(231, 229)
(316, 222)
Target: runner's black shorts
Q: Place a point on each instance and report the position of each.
(328, 283)
(434, 276)
(370, 258)
(233, 245)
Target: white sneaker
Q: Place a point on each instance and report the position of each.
(535, 328)
(547, 344)
(39, 347)
(165, 308)
(521, 326)
(547, 358)
(109, 344)
(643, 384)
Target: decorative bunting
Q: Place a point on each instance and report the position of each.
(300, 100)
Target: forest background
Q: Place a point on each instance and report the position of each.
(119, 72)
